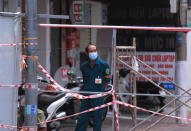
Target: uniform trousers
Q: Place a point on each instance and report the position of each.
(83, 120)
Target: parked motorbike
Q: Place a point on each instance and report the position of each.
(20, 107)
(57, 105)
(53, 104)
(148, 102)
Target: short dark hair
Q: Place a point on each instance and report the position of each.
(87, 47)
(123, 72)
(161, 84)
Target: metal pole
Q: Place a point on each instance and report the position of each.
(30, 114)
(181, 60)
(114, 75)
(134, 86)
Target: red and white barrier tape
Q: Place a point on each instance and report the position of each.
(16, 44)
(10, 85)
(116, 112)
(117, 27)
(117, 119)
(96, 108)
(30, 86)
(64, 89)
(8, 126)
(139, 108)
(16, 127)
(89, 110)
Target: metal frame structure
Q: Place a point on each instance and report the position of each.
(176, 98)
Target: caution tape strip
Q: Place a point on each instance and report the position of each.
(59, 87)
(157, 113)
(116, 118)
(61, 118)
(25, 128)
(10, 85)
(16, 44)
(25, 86)
(8, 126)
(89, 110)
(30, 86)
(96, 108)
(118, 27)
(116, 112)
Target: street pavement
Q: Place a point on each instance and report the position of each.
(167, 124)
(125, 124)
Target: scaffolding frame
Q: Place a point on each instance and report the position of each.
(127, 52)
(176, 98)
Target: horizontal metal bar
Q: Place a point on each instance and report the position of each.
(125, 47)
(118, 27)
(11, 14)
(48, 16)
(154, 83)
(122, 116)
(128, 94)
(125, 56)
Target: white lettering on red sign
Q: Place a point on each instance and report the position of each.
(163, 62)
(78, 11)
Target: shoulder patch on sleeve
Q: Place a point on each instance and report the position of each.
(107, 71)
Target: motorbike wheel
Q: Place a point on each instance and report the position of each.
(105, 110)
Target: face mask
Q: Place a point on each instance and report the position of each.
(93, 55)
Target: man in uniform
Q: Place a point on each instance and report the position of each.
(96, 76)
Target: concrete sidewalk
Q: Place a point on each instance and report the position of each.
(167, 125)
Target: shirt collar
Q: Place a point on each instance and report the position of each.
(97, 61)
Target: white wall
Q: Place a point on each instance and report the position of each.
(10, 57)
(10, 73)
(183, 79)
(189, 63)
